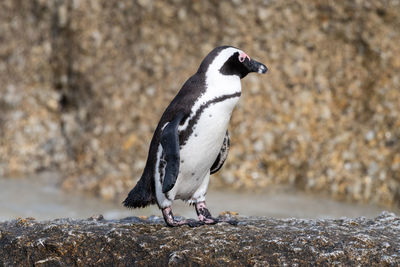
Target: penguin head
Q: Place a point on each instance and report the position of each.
(229, 60)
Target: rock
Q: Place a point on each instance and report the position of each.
(146, 241)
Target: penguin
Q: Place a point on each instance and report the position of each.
(191, 141)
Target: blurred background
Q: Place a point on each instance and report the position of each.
(84, 83)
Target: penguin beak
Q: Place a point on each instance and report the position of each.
(254, 66)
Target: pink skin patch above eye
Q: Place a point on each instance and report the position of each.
(243, 56)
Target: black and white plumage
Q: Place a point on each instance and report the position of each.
(191, 140)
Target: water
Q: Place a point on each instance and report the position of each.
(39, 197)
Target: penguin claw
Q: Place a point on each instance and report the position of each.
(209, 220)
(194, 223)
(189, 222)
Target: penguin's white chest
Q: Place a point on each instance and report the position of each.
(203, 145)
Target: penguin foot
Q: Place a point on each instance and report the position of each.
(171, 222)
(204, 214)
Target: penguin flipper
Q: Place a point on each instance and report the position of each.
(170, 145)
(223, 154)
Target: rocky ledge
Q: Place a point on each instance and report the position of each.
(254, 241)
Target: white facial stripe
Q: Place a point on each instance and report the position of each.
(217, 84)
(222, 57)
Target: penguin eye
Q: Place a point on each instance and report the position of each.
(243, 56)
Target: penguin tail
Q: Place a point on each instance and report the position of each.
(141, 195)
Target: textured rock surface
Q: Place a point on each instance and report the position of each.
(83, 84)
(255, 241)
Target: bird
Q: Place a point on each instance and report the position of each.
(191, 140)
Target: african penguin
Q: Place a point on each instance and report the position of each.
(191, 140)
